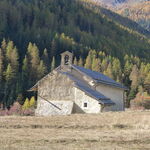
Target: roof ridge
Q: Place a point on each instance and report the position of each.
(98, 77)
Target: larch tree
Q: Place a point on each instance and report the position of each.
(80, 62)
(1, 65)
(116, 70)
(53, 47)
(75, 62)
(108, 72)
(104, 65)
(3, 45)
(96, 64)
(26, 104)
(53, 64)
(9, 86)
(41, 69)
(25, 73)
(45, 59)
(32, 102)
(134, 77)
(1, 73)
(88, 61)
(147, 83)
(34, 61)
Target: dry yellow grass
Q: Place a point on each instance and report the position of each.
(106, 131)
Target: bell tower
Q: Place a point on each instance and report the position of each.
(66, 60)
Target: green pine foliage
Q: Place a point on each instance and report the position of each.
(69, 25)
(53, 63)
(39, 32)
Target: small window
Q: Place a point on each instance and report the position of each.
(66, 59)
(85, 105)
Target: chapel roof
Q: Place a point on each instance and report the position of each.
(98, 77)
(90, 91)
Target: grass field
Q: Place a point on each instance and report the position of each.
(106, 131)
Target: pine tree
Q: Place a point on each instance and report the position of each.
(116, 70)
(127, 68)
(9, 49)
(25, 73)
(96, 65)
(41, 70)
(104, 65)
(134, 77)
(53, 48)
(53, 64)
(147, 83)
(3, 45)
(108, 71)
(1, 74)
(34, 61)
(75, 62)
(9, 88)
(46, 60)
(12, 57)
(80, 62)
(1, 65)
(9, 75)
(88, 62)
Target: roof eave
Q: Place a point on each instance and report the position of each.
(113, 85)
(99, 81)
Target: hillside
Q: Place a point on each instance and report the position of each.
(137, 10)
(106, 131)
(39, 21)
(34, 33)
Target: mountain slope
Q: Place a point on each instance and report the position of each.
(38, 21)
(137, 10)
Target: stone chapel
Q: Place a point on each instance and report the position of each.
(72, 89)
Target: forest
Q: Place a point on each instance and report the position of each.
(34, 33)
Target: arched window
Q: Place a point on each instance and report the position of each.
(66, 59)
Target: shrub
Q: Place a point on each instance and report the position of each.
(146, 104)
(15, 109)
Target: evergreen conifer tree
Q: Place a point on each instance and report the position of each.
(46, 60)
(1, 65)
(41, 70)
(53, 64)
(96, 64)
(80, 62)
(134, 77)
(25, 73)
(88, 61)
(75, 62)
(108, 71)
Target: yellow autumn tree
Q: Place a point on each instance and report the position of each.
(26, 104)
(32, 101)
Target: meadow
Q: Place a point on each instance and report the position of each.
(106, 131)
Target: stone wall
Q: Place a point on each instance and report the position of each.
(115, 94)
(56, 87)
(46, 108)
(93, 105)
(56, 90)
(57, 95)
